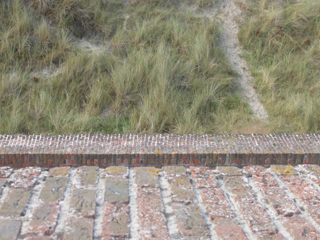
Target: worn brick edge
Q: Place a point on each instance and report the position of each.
(19, 151)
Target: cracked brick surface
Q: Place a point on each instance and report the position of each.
(62, 203)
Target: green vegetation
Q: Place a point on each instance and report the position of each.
(282, 43)
(163, 73)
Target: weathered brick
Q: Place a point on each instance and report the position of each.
(9, 229)
(15, 203)
(116, 171)
(44, 219)
(88, 175)
(300, 187)
(59, 172)
(83, 202)
(5, 172)
(147, 176)
(217, 205)
(278, 199)
(78, 228)
(230, 171)
(117, 191)
(53, 189)
(313, 171)
(38, 238)
(175, 171)
(2, 183)
(182, 190)
(252, 211)
(299, 228)
(313, 207)
(153, 223)
(230, 231)
(284, 170)
(116, 221)
(203, 177)
(181, 187)
(190, 220)
(237, 187)
(26, 177)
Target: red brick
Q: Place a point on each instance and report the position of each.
(115, 221)
(217, 205)
(203, 177)
(313, 207)
(252, 211)
(299, 228)
(313, 171)
(278, 199)
(230, 231)
(152, 220)
(300, 187)
(44, 219)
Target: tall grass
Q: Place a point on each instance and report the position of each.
(282, 42)
(166, 72)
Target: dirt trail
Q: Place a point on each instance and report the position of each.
(233, 50)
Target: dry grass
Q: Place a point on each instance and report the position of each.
(282, 42)
(166, 73)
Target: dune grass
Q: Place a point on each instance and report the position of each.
(165, 73)
(282, 43)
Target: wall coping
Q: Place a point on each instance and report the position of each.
(211, 150)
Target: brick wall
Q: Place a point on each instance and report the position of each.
(158, 150)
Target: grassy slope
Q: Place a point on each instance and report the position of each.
(165, 74)
(282, 43)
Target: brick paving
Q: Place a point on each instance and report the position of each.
(254, 202)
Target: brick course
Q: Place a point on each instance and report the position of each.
(47, 151)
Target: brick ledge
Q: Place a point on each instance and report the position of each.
(19, 151)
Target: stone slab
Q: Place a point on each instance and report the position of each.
(78, 229)
(147, 176)
(9, 229)
(15, 203)
(190, 220)
(83, 202)
(117, 191)
(53, 189)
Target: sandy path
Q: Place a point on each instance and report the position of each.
(233, 50)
